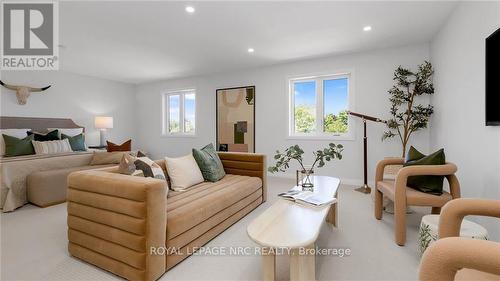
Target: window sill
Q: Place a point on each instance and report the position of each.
(179, 135)
(322, 138)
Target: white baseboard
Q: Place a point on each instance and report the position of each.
(345, 181)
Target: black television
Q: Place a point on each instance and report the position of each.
(493, 79)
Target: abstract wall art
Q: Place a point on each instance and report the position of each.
(236, 119)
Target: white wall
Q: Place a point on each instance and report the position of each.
(373, 72)
(458, 124)
(73, 96)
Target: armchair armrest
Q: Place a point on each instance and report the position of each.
(448, 170)
(454, 211)
(379, 174)
(246, 164)
(445, 257)
(117, 221)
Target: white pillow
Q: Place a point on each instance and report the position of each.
(183, 172)
(17, 133)
(51, 147)
(68, 132)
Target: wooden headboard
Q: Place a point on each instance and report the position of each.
(36, 123)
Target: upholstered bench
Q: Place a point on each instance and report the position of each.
(47, 188)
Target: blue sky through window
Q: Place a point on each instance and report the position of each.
(335, 94)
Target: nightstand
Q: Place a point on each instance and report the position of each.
(99, 147)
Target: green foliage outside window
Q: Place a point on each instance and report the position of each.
(305, 119)
(336, 124)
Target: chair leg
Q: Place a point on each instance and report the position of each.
(400, 222)
(436, 210)
(379, 204)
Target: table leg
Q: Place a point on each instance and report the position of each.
(302, 265)
(332, 216)
(268, 265)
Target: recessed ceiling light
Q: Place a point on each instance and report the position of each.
(367, 28)
(251, 50)
(190, 9)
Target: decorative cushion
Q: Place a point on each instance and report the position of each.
(16, 146)
(427, 184)
(68, 131)
(17, 133)
(50, 136)
(209, 163)
(51, 147)
(149, 168)
(126, 146)
(183, 172)
(105, 158)
(77, 142)
(127, 166)
(429, 231)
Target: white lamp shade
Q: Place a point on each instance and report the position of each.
(103, 122)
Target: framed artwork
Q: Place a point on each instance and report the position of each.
(236, 119)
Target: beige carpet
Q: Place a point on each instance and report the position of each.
(33, 247)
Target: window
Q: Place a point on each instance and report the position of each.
(318, 106)
(179, 112)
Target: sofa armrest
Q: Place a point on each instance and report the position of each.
(117, 221)
(445, 257)
(246, 164)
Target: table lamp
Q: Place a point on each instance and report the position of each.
(103, 123)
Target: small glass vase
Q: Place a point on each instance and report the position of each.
(307, 179)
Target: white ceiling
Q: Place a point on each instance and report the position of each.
(139, 42)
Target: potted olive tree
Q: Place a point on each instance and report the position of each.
(408, 116)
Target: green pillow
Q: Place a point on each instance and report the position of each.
(427, 184)
(77, 142)
(209, 162)
(16, 147)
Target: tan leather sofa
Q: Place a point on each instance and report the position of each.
(121, 223)
(455, 258)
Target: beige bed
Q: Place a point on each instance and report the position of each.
(15, 171)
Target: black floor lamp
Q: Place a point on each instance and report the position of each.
(365, 188)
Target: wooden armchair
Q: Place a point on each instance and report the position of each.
(403, 196)
(454, 258)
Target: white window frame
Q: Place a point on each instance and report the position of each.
(319, 133)
(166, 112)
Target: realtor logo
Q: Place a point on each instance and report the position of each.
(29, 36)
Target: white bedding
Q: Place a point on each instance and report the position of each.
(14, 170)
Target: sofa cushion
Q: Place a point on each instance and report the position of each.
(183, 172)
(209, 163)
(189, 208)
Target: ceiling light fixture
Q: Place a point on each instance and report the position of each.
(190, 9)
(251, 50)
(367, 28)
